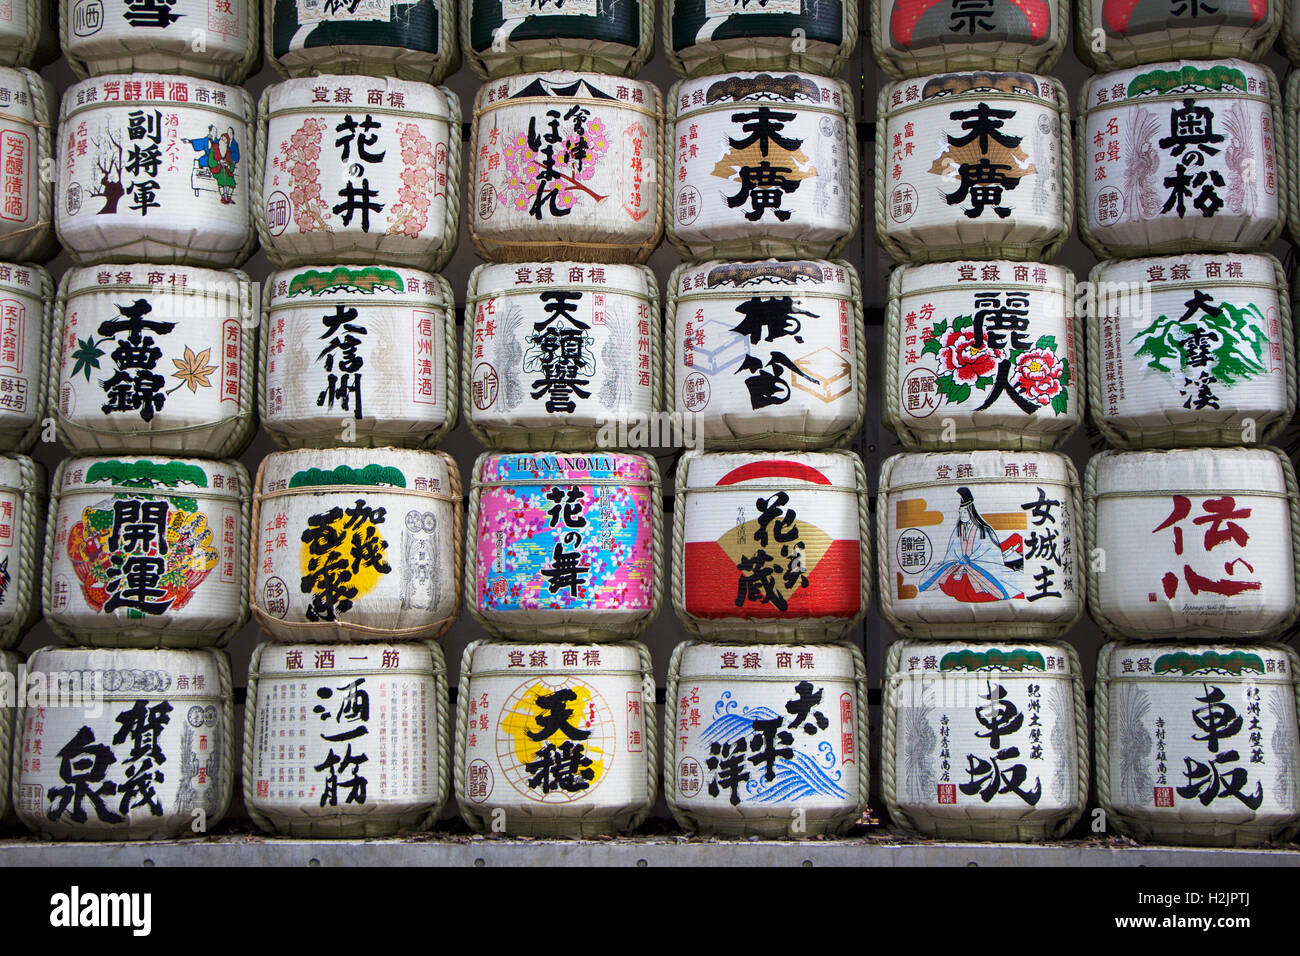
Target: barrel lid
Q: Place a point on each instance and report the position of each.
(527, 277)
(165, 279)
(306, 470)
(135, 90)
(942, 89)
(1216, 471)
(763, 277)
(787, 87)
(23, 279)
(1180, 78)
(1154, 272)
(326, 660)
(958, 659)
(361, 282)
(158, 673)
(951, 468)
(374, 93)
(810, 471)
(184, 477)
(620, 91)
(531, 661)
(1257, 663)
(762, 662)
(973, 274)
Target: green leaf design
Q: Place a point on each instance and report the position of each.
(931, 347)
(939, 328)
(87, 355)
(1061, 402)
(1046, 342)
(951, 390)
(1065, 372)
(1242, 342)
(984, 381)
(963, 322)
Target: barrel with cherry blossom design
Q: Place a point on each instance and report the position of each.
(766, 164)
(27, 109)
(767, 354)
(27, 33)
(556, 739)
(714, 36)
(984, 741)
(1190, 350)
(981, 544)
(22, 543)
(974, 166)
(567, 165)
(124, 744)
(1196, 543)
(502, 37)
(212, 39)
(1197, 744)
(147, 552)
(155, 168)
(1119, 33)
(26, 312)
(366, 354)
(369, 726)
(562, 355)
(154, 358)
(916, 37)
(356, 544)
(766, 740)
(565, 545)
(981, 355)
(358, 169)
(1184, 156)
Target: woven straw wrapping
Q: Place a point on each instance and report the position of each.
(769, 630)
(179, 827)
(1212, 41)
(1180, 435)
(372, 431)
(351, 59)
(969, 437)
(569, 433)
(152, 51)
(344, 631)
(10, 664)
(1176, 833)
(223, 438)
(1289, 38)
(962, 54)
(612, 249)
(1290, 143)
(580, 54)
(574, 630)
(1091, 544)
(37, 41)
(116, 632)
(35, 243)
(348, 821)
(1042, 249)
(810, 438)
(23, 440)
(375, 248)
(598, 822)
(762, 52)
(1014, 627)
(978, 825)
(762, 244)
(29, 541)
(1106, 248)
(781, 824)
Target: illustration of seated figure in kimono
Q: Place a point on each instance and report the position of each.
(215, 167)
(1125, 17)
(979, 565)
(916, 24)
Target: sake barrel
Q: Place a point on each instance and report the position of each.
(154, 359)
(1010, 526)
(358, 169)
(1197, 743)
(155, 168)
(981, 355)
(215, 41)
(567, 166)
(771, 546)
(356, 544)
(345, 740)
(1190, 350)
(973, 165)
(916, 37)
(27, 34)
(503, 37)
(147, 552)
(1198, 543)
(410, 40)
(565, 546)
(362, 351)
(716, 36)
(766, 740)
(1289, 39)
(1181, 157)
(984, 741)
(26, 311)
(767, 354)
(26, 152)
(124, 744)
(11, 668)
(1119, 33)
(766, 165)
(22, 541)
(556, 739)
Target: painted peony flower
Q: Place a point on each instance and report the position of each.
(1038, 375)
(964, 359)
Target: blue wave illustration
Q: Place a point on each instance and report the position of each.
(732, 726)
(796, 779)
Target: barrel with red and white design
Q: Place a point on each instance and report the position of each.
(1118, 33)
(26, 309)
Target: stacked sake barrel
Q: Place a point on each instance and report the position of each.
(561, 359)
(356, 525)
(979, 534)
(1191, 519)
(767, 728)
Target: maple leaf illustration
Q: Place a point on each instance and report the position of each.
(87, 356)
(193, 370)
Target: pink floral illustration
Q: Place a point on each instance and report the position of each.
(573, 164)
(410, 214)
(964, 359)
(298, 159)
(1038, 375)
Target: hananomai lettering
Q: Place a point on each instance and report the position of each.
(563, 463)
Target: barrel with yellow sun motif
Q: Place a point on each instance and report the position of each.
(556, 739)
(147, 552)
(356, 544)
